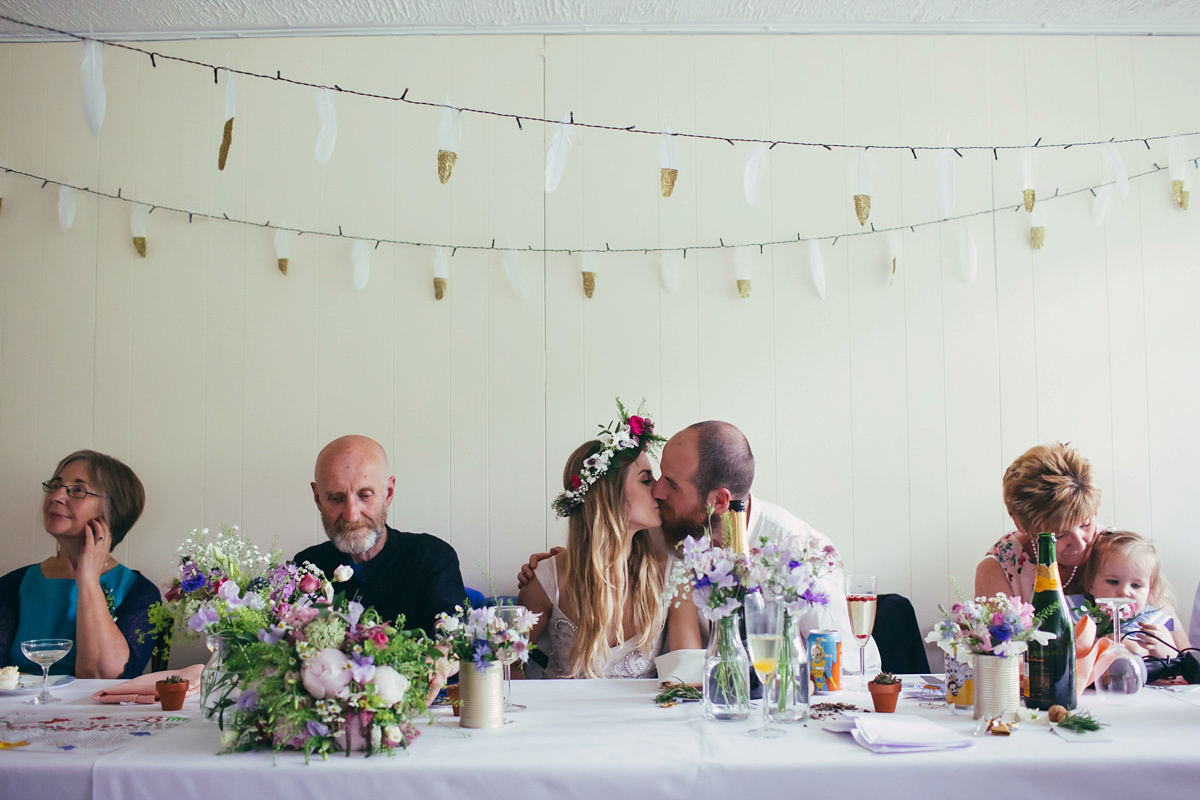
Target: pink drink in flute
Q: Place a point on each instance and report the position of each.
(861, 601)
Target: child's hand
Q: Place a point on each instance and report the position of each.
(1151, 645)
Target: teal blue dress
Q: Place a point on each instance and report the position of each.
(45, 608)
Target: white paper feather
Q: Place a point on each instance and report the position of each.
(816, 263)
(968, 254)
(588, 262)
(946, 175)
(450, 129)
(743, 264)
(861, 169)
(360, 257)
(327, 136)
(895, 245)
(92, 95)
(1100, 205)
(137, 219)
(230, 96)
(556, 157)
(512, 271)
(668, 152)
(441, 264)
(669, 271)
(1029, 166)
(1177, 158)
(754, 179)
(283, 243)
(1116, 169)
(66, 207)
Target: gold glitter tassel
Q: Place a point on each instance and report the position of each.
(1, 202)
(667, 179)
(1030, 196)
(1179, 194)
(1037, 236)
(439, 288)
(589, 283)
(226, 140)
(139, 244)
(862, 207)
(446, 162)
(283, 264)
(744, 288)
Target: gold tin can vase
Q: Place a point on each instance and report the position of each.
(997, 686)
(481, 694)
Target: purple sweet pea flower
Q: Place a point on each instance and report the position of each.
(203, 618)
(317, 728)
(363, 669)
(230, 593)
(354, 610)
(271, 636)
(247, 700)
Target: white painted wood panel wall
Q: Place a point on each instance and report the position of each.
(883, 415)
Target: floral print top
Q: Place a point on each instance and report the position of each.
(1017, 565)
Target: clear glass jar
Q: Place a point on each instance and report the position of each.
(791, 705)
(727, 671)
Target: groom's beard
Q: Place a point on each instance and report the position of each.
(675, 528)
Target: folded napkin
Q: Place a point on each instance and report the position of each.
(904, 733)
(141, 689)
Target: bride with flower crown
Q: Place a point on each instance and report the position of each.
(600, 599)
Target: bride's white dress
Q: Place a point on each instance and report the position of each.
(625, 660)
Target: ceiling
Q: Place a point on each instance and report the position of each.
(173, 19)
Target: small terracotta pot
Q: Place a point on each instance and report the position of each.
(171, 695)
(452, 696)
(884, 696)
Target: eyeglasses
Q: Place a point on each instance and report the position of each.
(73, 489)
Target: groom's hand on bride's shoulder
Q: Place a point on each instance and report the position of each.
(526, 573)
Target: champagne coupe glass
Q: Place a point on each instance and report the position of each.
(509, 614)
(764, 637)
(1126, 674)
(861, 601)
(45, 652)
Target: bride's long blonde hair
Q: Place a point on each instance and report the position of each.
(598, 579)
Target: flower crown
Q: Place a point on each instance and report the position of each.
(633, 432)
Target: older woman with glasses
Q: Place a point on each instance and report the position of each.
(81, 592)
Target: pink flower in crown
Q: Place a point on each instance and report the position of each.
(639, 425)
(576, 483)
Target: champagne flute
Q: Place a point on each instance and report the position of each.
(764, 637)
(45, 652)
(861, 601)
(509, 614)
(1126, 674)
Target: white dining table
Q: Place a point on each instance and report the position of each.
(607, 739)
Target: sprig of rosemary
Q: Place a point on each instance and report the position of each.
(1080, 722)
(672, 693)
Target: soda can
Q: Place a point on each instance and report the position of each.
(825, 660)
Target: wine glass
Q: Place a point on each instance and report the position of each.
(509, 614)
(1126, 674)
(861, 601)
(764, 637)
(45, 652)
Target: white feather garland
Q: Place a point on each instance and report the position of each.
(230, 95)
(968, 254)
(816, 264)
(283, 243)
(138, 214)
(66, 207)
(441, 264)
(1116, 169)
(1100, 205)
(1029, 168)
(946, 180)
(327, 136)
(1177, 158)
(360, 258)
(92, 95)
(668, 152)
(754, 178)
(450, 129)
(556, 156)
(512, 271)
(669, 271)
(862, 171)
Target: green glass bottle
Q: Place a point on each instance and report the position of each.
(1051, 665)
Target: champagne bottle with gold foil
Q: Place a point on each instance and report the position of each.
(1051, 665)
(735, 527)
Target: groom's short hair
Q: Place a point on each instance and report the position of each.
(725, 459)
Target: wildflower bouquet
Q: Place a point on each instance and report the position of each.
(481, 636)
(999, 625)
(328, 677)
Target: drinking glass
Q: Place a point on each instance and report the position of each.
(764, 636)
(1126, 674)
(509, 614)
(861, 601)
(45, 652)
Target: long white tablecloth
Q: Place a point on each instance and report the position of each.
(606, 739)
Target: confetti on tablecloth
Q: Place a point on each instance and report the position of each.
(44, 732)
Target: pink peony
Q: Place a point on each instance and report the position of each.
(326, 674)
(390, 685)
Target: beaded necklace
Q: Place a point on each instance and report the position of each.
(1037, 560)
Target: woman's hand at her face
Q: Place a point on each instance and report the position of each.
(97, 546)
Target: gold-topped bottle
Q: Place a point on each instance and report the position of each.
(1051, 665)
(735, 527)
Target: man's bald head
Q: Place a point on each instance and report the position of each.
(353, 489)
(725, 458)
